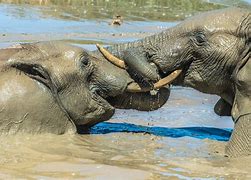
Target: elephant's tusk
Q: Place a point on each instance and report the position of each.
(116, 61)
(167, 80)
(134, 87)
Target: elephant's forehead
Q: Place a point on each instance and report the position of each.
(228, 19)
(70, 54)
(52, 49)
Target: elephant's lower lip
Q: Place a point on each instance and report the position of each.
(135, 87)
(89, 122)
(103, 112)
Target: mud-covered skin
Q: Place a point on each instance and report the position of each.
(53, 87)
(213, 50)
(143, 101)
(45, 87)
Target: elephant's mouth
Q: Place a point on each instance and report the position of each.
(183, 73)
(167, 80)
(103, 111)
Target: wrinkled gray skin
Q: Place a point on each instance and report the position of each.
(52, 87)
(213, 50)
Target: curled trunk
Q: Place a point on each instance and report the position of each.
(143, 101)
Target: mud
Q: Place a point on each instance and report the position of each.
(186, 142)
(184, 139)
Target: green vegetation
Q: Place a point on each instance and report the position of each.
(161, 10)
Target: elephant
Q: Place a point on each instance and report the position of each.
(54, 87)
(209, 52)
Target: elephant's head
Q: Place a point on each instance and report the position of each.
(211, 51)
(54, 74)
(206, 48)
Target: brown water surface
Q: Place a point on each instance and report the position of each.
(182, 140)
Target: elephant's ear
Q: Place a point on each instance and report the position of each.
(6, 53)
(28, 53)
(240, 141)
(242, 77)
(28, 59)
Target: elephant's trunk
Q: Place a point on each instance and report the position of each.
(144, 44)
(240, 141)
(142, 101)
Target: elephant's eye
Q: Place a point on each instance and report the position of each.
(200, 38)
(249, 40)
(85, 60)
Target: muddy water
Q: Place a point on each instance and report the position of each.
(182, 140)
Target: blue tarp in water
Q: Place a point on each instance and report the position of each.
(195, 132)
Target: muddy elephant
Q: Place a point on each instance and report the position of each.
(209, 52)
(52, 87)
